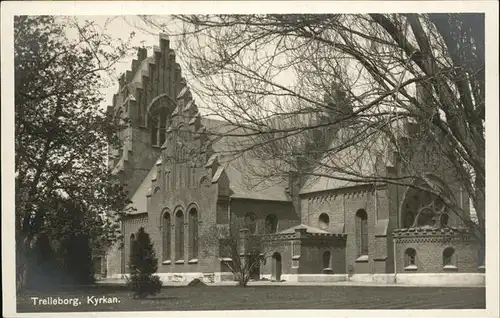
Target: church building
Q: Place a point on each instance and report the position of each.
(188, 193)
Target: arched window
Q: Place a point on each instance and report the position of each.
(131, 243)
(193, 233)
(449, 257)
(410, 257)
(168, 179)
(166, 231)
(324, 221)
(250, 222)
(427, 209)
(271, 224)
(192, 176)
(362, 232)
(326, 259)
(179, 236)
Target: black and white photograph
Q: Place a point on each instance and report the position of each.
(320, 158)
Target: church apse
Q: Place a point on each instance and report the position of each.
(432, 238)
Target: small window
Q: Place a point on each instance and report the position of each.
(449, 258)
(131, 244)
(326, 260)
(410, 259)
(362, 232)
(324, 221)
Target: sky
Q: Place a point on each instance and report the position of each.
(122, 27)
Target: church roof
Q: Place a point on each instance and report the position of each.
(309, 229)
(139, 199)
(343, 164)
(242, 170)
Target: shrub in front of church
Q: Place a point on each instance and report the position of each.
(143, 264)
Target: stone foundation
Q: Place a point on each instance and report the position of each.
(186, 277)
(423, 279)
(316, 278)
(442, 279)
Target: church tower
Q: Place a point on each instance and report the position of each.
(145, 101)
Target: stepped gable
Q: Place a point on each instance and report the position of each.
(151, 83)
(135, 99)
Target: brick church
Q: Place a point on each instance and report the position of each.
(175, 165)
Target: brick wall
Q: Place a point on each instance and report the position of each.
(261, 209)
(341, 207)
(429, 253)
(202, 197)
(311, 260)
(302, 253)
(284, 249)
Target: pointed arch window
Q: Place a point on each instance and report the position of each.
(179, 236)
(166, 231)
(131, 243)
(192, 176)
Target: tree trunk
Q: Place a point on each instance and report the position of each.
(22, 257)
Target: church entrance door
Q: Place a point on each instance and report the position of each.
(276, 272)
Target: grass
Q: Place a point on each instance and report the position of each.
(264, 297)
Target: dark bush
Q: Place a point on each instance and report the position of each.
(143, 264)
(144, 285)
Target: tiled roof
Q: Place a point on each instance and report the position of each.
(243, 171)
(139, 199)
(309, 229)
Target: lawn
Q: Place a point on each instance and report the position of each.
(263, 297)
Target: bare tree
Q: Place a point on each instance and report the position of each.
(240, 251)
(344, 96)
